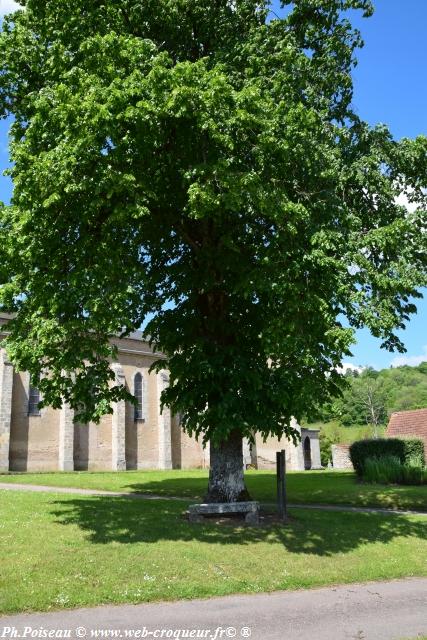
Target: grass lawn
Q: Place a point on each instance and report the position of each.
(61, 550)
(322, 487)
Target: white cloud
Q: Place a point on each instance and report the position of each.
(402, 199)
(7, 6)
(346, 366)
(412, 361)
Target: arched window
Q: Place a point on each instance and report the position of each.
(138, 392)
(33, 401)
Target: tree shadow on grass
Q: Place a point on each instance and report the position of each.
(106, 520)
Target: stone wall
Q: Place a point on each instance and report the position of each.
(6, 386)
(341, 457)
(52, 441)
(142, 435)
(266, 451)
(311, 461)
(34, 439)
(193, 454)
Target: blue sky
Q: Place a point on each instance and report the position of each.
(390, 87)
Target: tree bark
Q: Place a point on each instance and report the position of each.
(226, 475)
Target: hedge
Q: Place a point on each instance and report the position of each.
(404, 450)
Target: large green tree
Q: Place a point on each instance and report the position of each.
(199, 163)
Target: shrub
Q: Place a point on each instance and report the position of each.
(389, 470)
(403, 450)
(326, 441)
(413, 471)
(384, 470)
(414, 449)
(412, 474)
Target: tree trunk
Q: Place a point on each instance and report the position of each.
(226, 476)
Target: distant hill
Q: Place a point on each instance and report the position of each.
(373, 395)
(367, 403)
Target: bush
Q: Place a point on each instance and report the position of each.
(413, 472)
(384, 470)
(326, 441)
(414, 450)
(403, 450)
(389, 470)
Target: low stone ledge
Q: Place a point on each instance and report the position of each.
(197, 512)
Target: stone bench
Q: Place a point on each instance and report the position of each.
(250, 510)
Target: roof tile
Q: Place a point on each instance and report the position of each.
(409, 424)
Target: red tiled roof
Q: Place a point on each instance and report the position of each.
(409, 424)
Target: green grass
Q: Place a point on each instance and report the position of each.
(321, 487)
(61, 551)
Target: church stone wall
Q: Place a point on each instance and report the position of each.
(142, 450)
(93, 445)
(295, 461)
(6, 387)
(266, 451)
(33, 439)
(193, 454)
(52, 441)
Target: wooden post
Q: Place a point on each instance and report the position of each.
(281, 483)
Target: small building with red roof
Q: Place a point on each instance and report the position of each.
(409, 424)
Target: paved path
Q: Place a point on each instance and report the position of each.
(85, 492)
(373, 611)
(145, 496)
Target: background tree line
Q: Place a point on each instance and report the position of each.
(366, 404)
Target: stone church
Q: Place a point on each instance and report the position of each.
(132, 437)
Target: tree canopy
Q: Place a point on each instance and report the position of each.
(385, 391)
(200, 163)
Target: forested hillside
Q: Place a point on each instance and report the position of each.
(366, 405)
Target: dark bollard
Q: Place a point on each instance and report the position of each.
(281, 484)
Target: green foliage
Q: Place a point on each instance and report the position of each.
(390, 470)
(403, 450)
(414, 473)
(191, 162)
(336, 433)
(325, 449)
(326, 440)
(374, 395)
(384, 470)
(414, 450)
